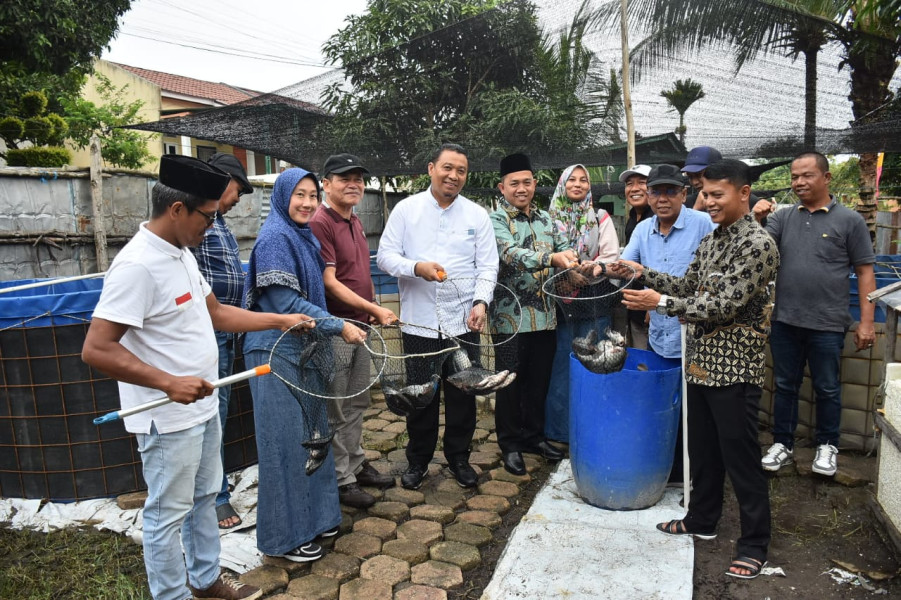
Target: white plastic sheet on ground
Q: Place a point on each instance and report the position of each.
(565, 548)
(239, 545)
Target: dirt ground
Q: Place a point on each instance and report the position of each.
(816, 522)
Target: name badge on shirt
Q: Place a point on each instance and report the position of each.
(184, 302)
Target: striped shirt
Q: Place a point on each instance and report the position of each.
(220, 263)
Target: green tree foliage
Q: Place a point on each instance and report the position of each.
(477, 72)
(118, 147)
(55, 36)
(683, 94)
(868, 30)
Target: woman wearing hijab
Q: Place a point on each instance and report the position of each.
(591, 234)
(285, 273)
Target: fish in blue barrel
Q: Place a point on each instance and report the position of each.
(606, 356)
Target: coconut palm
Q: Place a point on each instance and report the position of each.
(683, 94)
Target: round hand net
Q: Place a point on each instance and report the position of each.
(317, 365)
(586, 296)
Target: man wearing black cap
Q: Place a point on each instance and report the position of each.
(153, 331)
(698, 159)
(530, 247)
(220, 264)
(667, 242)
(350, 294)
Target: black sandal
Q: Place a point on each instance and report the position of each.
(226, 511)
(748, 564)
(677, 527)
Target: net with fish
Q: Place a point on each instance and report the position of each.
(585, 296)
(412, 358)
(315, 366)
(487, 359)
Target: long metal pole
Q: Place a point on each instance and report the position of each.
(686, 470)
(37, 284)
(627, 91)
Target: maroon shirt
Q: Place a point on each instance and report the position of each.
(344, 247)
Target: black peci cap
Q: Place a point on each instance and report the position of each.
(193, 176)
(513, 163)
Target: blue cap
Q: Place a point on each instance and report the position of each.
(700, 158)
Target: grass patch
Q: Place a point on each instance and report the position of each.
(76, 564)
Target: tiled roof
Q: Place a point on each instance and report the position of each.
(188, 86)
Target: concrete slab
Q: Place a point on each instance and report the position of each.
(566, 548)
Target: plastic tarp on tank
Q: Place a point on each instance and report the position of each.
(49, 446)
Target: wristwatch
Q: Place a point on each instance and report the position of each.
(661, 305)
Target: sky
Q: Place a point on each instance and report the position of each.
(262, 45)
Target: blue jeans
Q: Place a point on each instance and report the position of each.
(182, 471)
(226, 343)
(791, 348)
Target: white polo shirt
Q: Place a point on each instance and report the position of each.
(157, 290)
(459, 237)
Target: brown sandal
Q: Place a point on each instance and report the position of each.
(677, 527)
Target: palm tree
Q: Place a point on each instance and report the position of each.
(684, 93)
(869, 31)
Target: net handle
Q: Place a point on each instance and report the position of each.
(127, 412)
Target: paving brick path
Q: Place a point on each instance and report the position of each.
(410, 545)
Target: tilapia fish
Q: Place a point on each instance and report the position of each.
(477, 379)
(414, 396)
(606, 356)
(318, 446)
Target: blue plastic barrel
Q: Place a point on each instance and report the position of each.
(623, 430)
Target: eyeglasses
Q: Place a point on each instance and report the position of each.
(210, 218)
(668, 191)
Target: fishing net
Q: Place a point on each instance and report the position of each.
(412, 359)
(487, 359)
(585, 296)
(316, 365)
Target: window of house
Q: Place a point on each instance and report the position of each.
(205, 152)
(169, 148)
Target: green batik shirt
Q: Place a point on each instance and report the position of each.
(726, 297)
(525, 245)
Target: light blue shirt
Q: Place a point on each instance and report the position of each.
(670, 253)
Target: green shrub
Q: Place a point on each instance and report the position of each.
(12, 128)
(60, 129)
(39, 156)
(38, 129)
(33, 104)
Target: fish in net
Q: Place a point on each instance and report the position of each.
(486, 361)
(412, 357)
(585, 294)
(311, 364)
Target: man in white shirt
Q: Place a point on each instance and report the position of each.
(152, 330)
(439, 225)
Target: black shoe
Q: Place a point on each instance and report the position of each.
(514, 463)
(413, 476)
(547, 450)
(464, 474)
(353, 495)
(370, 477)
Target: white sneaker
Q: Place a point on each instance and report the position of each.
(826, 461)
(776, 457)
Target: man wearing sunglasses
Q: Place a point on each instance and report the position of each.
(666, 243)
(219, 262)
